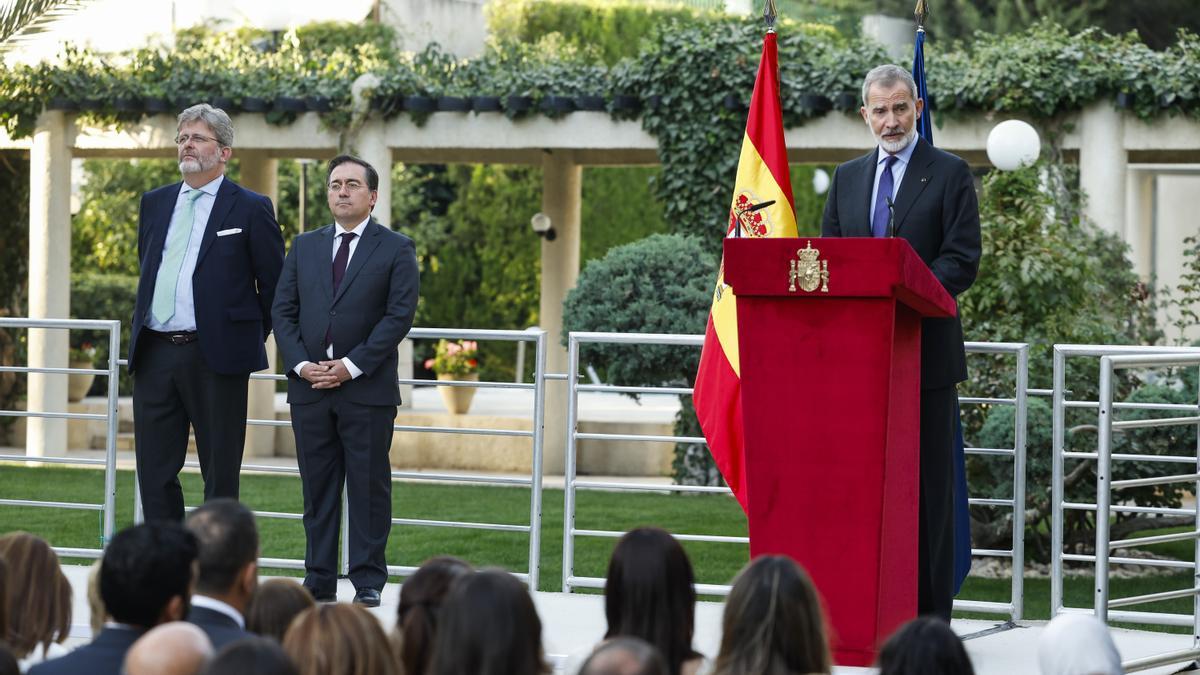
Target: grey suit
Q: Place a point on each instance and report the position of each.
(937, 212)
(344, 434)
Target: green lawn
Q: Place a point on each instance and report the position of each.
(691, 514)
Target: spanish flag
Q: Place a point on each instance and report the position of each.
(762, 176)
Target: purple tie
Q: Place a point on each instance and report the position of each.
(879, 220)
(343, 254)
(339, 271)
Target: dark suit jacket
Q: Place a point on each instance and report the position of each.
(234, 281)
(220, 628)
(105, 655)
(937, 212)
(367, 318)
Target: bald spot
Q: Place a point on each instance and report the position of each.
(176, 648)
(616, 661)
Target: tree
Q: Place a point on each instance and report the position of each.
(23, 18)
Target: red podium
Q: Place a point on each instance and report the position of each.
(829, 341)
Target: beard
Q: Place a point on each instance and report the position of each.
(892, 147)
(198, 164)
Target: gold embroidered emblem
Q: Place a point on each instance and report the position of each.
(808, 270)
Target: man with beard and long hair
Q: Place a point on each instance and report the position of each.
(907, 188)
(210, 253)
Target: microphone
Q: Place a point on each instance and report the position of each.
(749, 209)
(891, 225)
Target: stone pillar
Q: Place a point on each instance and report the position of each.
(1139, 221)
(261, 174)
(562, 187)
(49, 279)
(1102, 162)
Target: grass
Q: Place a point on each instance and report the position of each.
(715, 563)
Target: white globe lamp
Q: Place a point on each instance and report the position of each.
(1013, 144)
(820, 181)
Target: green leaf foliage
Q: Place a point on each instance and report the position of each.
(104, 296)
(14, 273)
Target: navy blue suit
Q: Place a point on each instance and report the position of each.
(200, 380)
(937, 212)
(104, 655)
(345, 433)
(220, 628)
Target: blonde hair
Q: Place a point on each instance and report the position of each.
(339, 639)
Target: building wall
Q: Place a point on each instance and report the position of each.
(457, 25)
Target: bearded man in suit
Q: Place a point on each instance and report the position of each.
(907, 188)
(345, 301)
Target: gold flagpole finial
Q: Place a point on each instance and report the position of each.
(921, 12)
(769, 15)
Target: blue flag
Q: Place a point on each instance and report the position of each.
(962, 516)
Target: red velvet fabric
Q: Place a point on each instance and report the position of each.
(830, 407)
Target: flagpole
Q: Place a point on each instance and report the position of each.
(770, 13)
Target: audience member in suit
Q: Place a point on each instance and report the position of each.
(924, 646)
(1078, 644)
(421, 598)
(773, 622)
(488, 626)
(39, 599)
(273, 606)
(252, 656)
(8, 662)
(210, 253)
(145, 580)
(339, 639)
(937, 212)
(346, 299)
(626, 656)
(650, 594)
(227, 571)
(175, 648)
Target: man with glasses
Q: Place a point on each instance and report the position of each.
(346, 299)
(210, 253)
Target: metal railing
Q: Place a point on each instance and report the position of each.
(1014, 608)
(1111, 360)
(1016, 553)
(534, 482)
(107, 506)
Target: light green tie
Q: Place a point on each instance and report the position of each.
(163, 305)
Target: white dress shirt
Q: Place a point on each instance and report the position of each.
(898, 167)
(337, 243)
(218, 606)
(184, 317)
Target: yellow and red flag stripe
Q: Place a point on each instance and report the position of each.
(762, 176)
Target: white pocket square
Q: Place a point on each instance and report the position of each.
(226, 233)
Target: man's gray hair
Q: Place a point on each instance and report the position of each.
(888, 75)
(215, 118)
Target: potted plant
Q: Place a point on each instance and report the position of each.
(456, 360)
(83, 356)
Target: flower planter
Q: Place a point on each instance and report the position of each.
(1125, 100)
(557, 104)
(486, 103)
(289, 104)
(127, 104)
(60, 103)
(224, 103)
(78, 384)
(156, 106)
(626, 102)
(453, 104)
(255, 104)
(590, 103)
(815, 103)
(457, 399)
(420, 104)
(318, 103)
(847, 102)
(732, 102)
(518, 104)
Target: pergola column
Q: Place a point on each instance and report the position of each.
(49, 279)
(1102, 167)
(562, 196)
(1139, 223)
(260, 173)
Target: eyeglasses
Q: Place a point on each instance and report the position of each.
(183, 139)
(350, 185)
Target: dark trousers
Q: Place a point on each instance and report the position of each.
(173, 388)
(935, 553)
(339, 441)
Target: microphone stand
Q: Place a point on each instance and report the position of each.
(891, 224)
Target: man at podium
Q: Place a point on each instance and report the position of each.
(907, 188)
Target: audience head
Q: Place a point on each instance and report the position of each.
(773, 622)
(488, 626)
(3, 599)
(421, 598)
(1078, 644)
(97, 614)
(38, 605)
(650, 594)
(624, 656)
(275, 603)
(175, 648)
(924, 646)
(339, 639)
(146, 574)
(228, 544)
(252, 656)
(8, 662)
